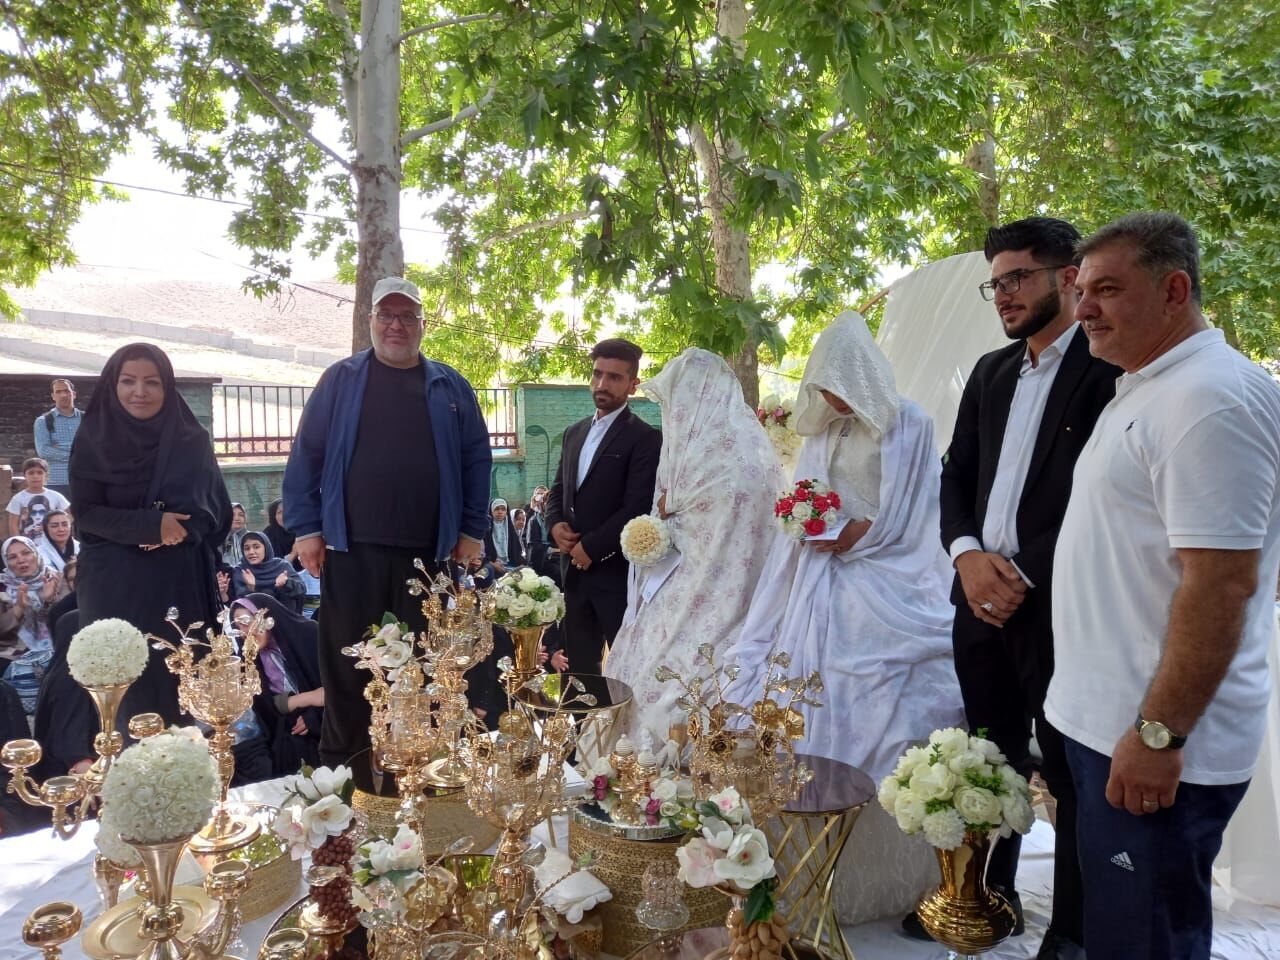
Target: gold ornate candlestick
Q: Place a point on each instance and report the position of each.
(217, 689)
(50, 926)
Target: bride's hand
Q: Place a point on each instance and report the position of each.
(853, 531)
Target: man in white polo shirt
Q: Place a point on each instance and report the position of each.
(1165, 574)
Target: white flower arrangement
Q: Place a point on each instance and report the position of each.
(775, 416)
(389, 644)
(522, 599)
(731, 852)
(317, 806)
(107, 653)
(398, 860)
(955, 784)
(669, 801)
(111, 846)
(646, 539)
(162, 788)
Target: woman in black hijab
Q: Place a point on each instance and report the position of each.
(290, 707)
(152, 512)
(261, 571)
(281, 539)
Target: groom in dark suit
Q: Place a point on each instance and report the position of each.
(1026, 413)
(608, 464)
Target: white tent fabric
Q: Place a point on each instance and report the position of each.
(935, 327)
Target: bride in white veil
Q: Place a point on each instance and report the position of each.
(718, 477)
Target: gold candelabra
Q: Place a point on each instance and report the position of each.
(69, 796)
(50, 926)
(752, 747)
(217, 689)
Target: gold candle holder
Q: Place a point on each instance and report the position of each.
(291, 944)
(217, 689)
(50, 926)
(143, 725)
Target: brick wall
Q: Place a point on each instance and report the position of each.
(25, 396)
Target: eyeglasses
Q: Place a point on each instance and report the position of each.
(1011, 281)
(407, 320)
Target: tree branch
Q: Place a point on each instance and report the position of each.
(536, 225)
(276, 103)
(466, 113)
(350, 61)
(834, 130)
(441, 24)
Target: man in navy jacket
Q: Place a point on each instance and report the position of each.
(391, 464)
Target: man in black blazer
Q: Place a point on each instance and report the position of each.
(608, 465)
(1026, 413)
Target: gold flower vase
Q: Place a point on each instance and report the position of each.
(964, 913)
(526, 641)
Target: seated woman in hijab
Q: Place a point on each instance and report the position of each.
(231, 554)
(152, 512)
(502, 542)
(261, 571)
(290, 707)
(718, 477)
(282, 540)
(58, 546)
(30, 589)
(869, 611)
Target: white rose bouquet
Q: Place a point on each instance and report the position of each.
(954, 784)
(161, 788)
(646, 540)
(522, 599)
(775, 415)
(107, 653)
(731, 852)
(317, 807)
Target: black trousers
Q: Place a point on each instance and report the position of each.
(1001, 695)
(594, 607)
(358, 586)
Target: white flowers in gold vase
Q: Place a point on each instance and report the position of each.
(645, 540)
(522, 599)
(107, 653)
(162, 788)
(954, 784)
(730, 852)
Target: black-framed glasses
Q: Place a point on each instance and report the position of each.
(407, 320)
(1011, 281)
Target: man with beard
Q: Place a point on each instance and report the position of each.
(608, 466)
(1026, 413)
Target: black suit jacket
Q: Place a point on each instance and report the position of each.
(1081, 388)
(618, 486)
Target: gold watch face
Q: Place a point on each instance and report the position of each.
(1156, 735)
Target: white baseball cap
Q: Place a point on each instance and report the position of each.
(389, 285)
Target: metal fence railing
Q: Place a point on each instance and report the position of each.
(252, 421)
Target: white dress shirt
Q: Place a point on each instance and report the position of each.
(1000, 525)
(595, 434)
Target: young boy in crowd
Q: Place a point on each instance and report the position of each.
(28, 507)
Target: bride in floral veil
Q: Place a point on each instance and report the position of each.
(718, 477)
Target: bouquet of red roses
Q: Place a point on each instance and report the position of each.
(808, 509)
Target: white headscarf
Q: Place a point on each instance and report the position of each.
(846, 362)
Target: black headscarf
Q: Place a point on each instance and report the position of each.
(295, 635)
(264, 573)
(168, 459)
(281, 539)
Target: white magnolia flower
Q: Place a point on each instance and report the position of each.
(717, 832)
(394, 654)
(387, 633)
(747, 861)
(330, 781)
(303, 786)
(977, 805)
(729, 802)
(697, 860)
(934, 782)
(288, 827)
(909, 810)
(107, 653)
(944, 829)
(327, 817)
(162, 788)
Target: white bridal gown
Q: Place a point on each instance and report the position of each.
(875, 621)
(721, 476)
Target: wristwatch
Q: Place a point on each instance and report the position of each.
(1157, 736)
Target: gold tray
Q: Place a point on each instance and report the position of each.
(115, 933)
